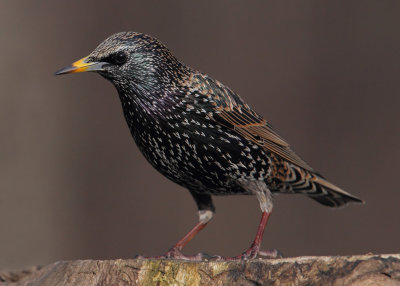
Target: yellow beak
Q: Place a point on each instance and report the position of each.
(83, 65)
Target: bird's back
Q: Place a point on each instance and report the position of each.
(208, 140)
(287, 172)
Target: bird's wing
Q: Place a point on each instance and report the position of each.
(239, 117)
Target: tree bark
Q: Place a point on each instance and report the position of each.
(324, 270)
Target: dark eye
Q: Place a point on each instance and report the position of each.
(118, 58)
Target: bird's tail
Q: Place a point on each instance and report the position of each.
(330, 195)
(316, 187)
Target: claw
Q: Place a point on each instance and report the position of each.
(270, 253)
(251, 253)
(254, 252)
(175, 253)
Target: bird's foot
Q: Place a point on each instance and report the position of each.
(270, 253)
(175, 253)
(251, 253)
(254, 252)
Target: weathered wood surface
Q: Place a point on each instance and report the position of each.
(332, 270)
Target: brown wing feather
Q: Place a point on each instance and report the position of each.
(232, 112)
(252, 126)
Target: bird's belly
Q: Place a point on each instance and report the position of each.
(214, 164)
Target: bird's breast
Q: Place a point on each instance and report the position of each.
(194, 151)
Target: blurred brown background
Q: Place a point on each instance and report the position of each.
(73, 185)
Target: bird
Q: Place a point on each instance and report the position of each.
(203, 136)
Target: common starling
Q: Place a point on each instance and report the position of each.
(200, 134)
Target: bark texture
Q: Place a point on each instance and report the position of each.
(332, 270)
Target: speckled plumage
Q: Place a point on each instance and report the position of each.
(198, 132)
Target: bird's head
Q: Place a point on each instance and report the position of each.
(130, 60)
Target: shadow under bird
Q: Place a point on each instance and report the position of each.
(200, 134)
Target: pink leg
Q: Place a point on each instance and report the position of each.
(254, 249)
(251, 253)
(175, 251)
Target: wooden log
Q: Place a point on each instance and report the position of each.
(323, 270)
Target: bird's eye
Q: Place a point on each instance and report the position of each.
(119, 58)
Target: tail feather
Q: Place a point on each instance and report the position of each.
(313, 185)
(332, 195)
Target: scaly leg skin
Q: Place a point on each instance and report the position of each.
(205, 215)
(254, 250)
(175, 252)
(251, 253)
(264, 197)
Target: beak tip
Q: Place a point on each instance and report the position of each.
(65, 70)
